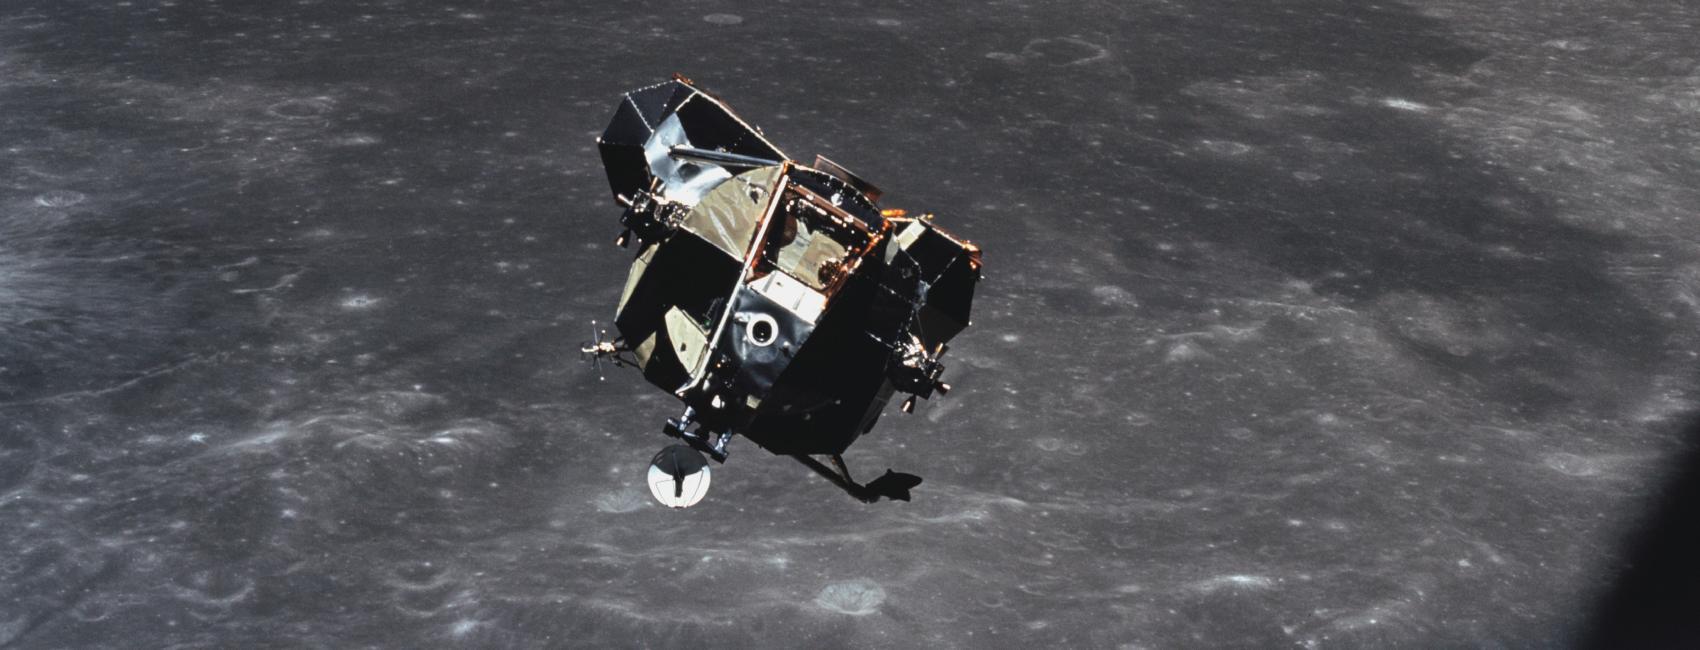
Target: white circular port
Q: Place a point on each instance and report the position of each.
(761, 330)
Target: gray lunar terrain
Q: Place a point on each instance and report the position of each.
(1306, 323)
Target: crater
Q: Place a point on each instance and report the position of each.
(213, 587)
(417, 575)
(1065, 51)
(1225, 148)
(854, 597)
(620, 502)
(60, 198)
(359, 302)
(1572, 464)
(1114, 296)
(300, 109)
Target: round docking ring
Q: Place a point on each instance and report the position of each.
(761, 330)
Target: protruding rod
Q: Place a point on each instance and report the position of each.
(721, 158)
(596, 351)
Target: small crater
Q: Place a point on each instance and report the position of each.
(417, 575)
(463, 627)
(91, 610)
(358, 140)
(1114, 296)
(399, 403)
(1225, 148)
(723, 19)
(1235, 582)
(425, 601)
(1572, 464)
(211, 587)
(358, 302)
(1065, 51)
(620, 502)
(300, 109)
(1185, 351)
(1404, 105)
(1568, 45)
(1307, 177)
(1048, 444)
(854, 597)
(60, 198)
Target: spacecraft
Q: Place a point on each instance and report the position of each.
(776, 300)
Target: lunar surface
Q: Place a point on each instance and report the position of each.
(1305, 323)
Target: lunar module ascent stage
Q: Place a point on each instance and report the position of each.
(775, 299)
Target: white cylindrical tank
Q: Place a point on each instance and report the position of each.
(678, 476)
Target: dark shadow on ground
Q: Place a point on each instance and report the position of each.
(892, 485)
(1655, 597)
